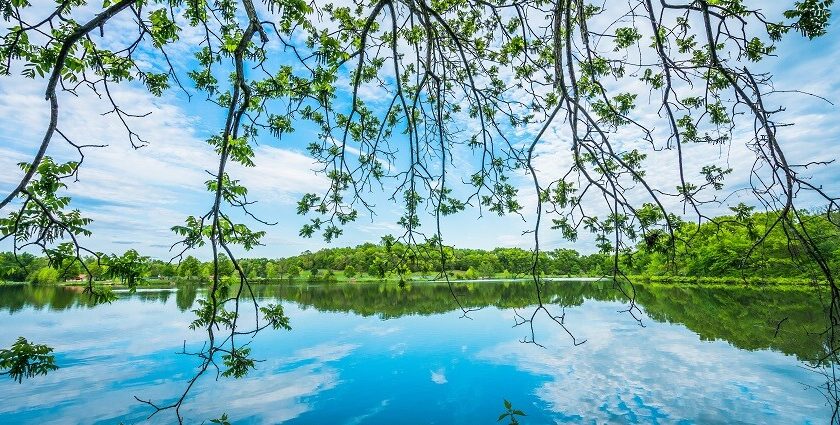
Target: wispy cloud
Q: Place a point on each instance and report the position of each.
(138, 194)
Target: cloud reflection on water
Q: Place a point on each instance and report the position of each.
(626, 373)
(338, 367)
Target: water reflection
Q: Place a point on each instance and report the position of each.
(384, 354)
(788, 319)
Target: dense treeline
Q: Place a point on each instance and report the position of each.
(390, 258)
(370, 260)
(739, 245)
(377, 261)
(744, 244)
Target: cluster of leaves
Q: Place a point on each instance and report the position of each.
(26, 360)
(44, 218)
(510, 414)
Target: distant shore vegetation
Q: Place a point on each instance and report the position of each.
(725, 250)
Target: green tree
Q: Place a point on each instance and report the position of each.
(486, 268)
(350, 271)
(129, 268)
(565, 262)
(294, 271)
(225, 266)
(16, 267)
(379, 266)
(471, 274)
(46, 275)
(272, 270)
(189, 267)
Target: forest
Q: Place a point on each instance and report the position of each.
(726, 247)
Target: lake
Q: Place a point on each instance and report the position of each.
(382, 354)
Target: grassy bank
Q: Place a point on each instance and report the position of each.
(727, 280)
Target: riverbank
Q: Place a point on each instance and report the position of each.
(726, 280)
(340, 278)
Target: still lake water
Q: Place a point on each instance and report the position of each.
(380, 354)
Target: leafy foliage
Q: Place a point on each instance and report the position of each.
(128, 268)
(26, 360)
(511, 414)
(478, 81)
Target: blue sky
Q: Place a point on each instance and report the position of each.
(135, 196)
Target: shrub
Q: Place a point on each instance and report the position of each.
(46, 275)
(471, 274)
(350, 271)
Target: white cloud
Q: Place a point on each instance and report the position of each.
(138, 194)
(280, 175)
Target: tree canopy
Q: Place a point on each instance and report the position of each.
(640, 91)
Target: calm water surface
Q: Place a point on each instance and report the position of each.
(380, 354)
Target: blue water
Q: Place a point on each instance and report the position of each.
(338, 367)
